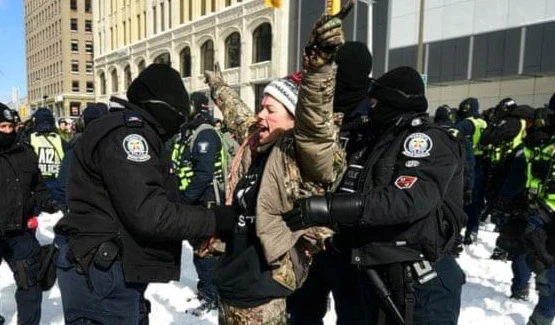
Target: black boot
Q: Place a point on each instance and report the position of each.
(470, 238)
(522, 294)
(499, 254)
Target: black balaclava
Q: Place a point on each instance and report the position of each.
(542, 129)
(44, 121)
(443, 114)
(6, 115)
(160, 82)
(398, 92)
(354, 64)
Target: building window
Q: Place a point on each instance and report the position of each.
(162, 18)
(114, 81)
(88, 6)
(227, 3)
(74, 65)
(102, 79)
(207, 56)
(185, 58)
(127, 75)
(155, 22)
(142, 65)
(74, 45)
(75, 86)
(90, 87)
(89, 47)
(74, 27)
(213, 7)
(170, 18)
(89, 67)
(190, 10)
(88, 26)
(203, 7)
(73, 5)
(163, 58)
(258, 94)
(262, 43)
(233, 51)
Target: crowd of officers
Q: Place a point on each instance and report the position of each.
(340, 184)
(512, 186)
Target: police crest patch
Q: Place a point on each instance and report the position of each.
(136, 148)
(417, 145)
(405, 182)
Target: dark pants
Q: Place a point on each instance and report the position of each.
(437, 302)
(474, 209)
(328, 272)
(21, 250)
(107, 299)
(521, 273)
(544, 312)
(205, 267)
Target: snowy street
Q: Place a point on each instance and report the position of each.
(484, 301)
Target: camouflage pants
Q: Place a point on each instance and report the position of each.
(271, 313)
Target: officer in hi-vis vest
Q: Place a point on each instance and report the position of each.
(49, 147)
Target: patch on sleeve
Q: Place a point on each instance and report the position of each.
(417, 145)
(203, 147)
(136, 148)
(405, 182)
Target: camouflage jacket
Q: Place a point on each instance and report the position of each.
(297, 167)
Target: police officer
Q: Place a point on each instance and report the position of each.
(21, 191)
(507, 199)
(471, 125)
(539, 233)
(401, 206)
(199, 162)
(125, 224)
(50, 148)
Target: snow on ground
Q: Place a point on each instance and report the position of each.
(484, 299)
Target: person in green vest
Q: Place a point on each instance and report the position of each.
(201, 165)
(472, 125)
(539, 232)
(50, 149)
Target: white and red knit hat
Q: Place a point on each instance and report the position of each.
(285, 91)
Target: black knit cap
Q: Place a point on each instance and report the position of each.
(160, 82)
(401, 88)
(354, 64)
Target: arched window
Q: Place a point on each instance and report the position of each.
(127, 75)
(114, 81)
(163, 58)
(207, 56)
(262, 43)
(102, 83)
(233, 51)
(185, 60)
(141, 66)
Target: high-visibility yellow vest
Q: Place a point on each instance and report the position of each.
(49, 149)
(479, 126)
(540, 173)
(499, 152)
(184, 168)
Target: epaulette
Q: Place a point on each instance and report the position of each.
(133, 120)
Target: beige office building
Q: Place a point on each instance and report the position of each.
(190, 35)
(59, 53)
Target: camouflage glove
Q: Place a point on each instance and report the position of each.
(325, 39)
(215, 81)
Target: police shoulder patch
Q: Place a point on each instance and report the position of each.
(417, 145)
(136, 148)
(405, 182)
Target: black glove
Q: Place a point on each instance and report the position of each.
(52, 206)
(467, 198)
(226, 220)
(324, 210)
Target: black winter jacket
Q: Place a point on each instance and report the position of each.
(411, 182)
(121, 188)
(21, 186)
